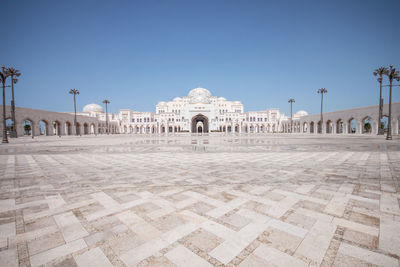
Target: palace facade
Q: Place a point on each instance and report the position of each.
(201, 112)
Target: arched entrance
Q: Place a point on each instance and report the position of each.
(195, 123)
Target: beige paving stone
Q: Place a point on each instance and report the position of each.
(356, 226)
(367, 255)
(349, 261)
(9, 258)
(182, 256)
(389, 234)
(277, 257)
(253, 260)
(204, 240)
(389, 203)
(281, 240)
(57, 252)
(70, 226)
(45, 242)
(315, 244)
(7, 230)
(92, 257)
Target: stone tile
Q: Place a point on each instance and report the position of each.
(45, 242)
(361, 239)
(92, 257)
(182, 256)
(204, 240)
(367, 255)
(57, 252)
(277, 257)
(281, 240)
(9, 257)
(236, 220)
(316, 242)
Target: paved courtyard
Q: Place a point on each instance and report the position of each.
(261, 200)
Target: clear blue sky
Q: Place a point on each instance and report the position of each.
(136, 53)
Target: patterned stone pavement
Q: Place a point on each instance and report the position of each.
(272, 200)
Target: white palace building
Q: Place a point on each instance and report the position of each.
(200, 112)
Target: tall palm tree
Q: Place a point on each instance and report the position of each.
(380, 72)
(75, 92)
(105, 101)
(291, 101)
(322, 91)
(13, 73)
(391, 74)
(3, 77)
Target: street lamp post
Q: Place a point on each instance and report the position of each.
(107, 102)
(75, 92)
(392, 74)
(3, 77)
(14, 79)
(379, 72)
(322, 91)
(291, 101)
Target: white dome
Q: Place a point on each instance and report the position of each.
(93, 108)
(199, 95)
(177, 99)
(302, 113)
(221, 98)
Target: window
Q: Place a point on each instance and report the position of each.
(133, 120)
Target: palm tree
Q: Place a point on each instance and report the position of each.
(391, 74)
(105, 101)
(322, 91)
(379, 72)
(291, 101)
(13, 73)
(3, 77)
(75, 92)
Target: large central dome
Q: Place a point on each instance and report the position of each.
(199, 95)
(93, 108)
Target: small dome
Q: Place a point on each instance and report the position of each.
(177, 99)
(161, 103)
(199, 95)
(237, 102)
(93, 108)
(222, 98)
(302, 113)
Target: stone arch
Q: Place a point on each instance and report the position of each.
(366, 124)
(85, 128)
(56, 126)
(319, 127)
(199, 118)
(329, 127)
(339, 126)
(312, 126)
(28, 127)
(44, 127)
(92, 128)
(352, 125)
(9, 125)
(78, 128)
(68, 128)
(305, 127)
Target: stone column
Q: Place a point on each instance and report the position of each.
(359, 127)
(395, 128)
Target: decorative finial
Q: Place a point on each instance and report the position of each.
(199, 86)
